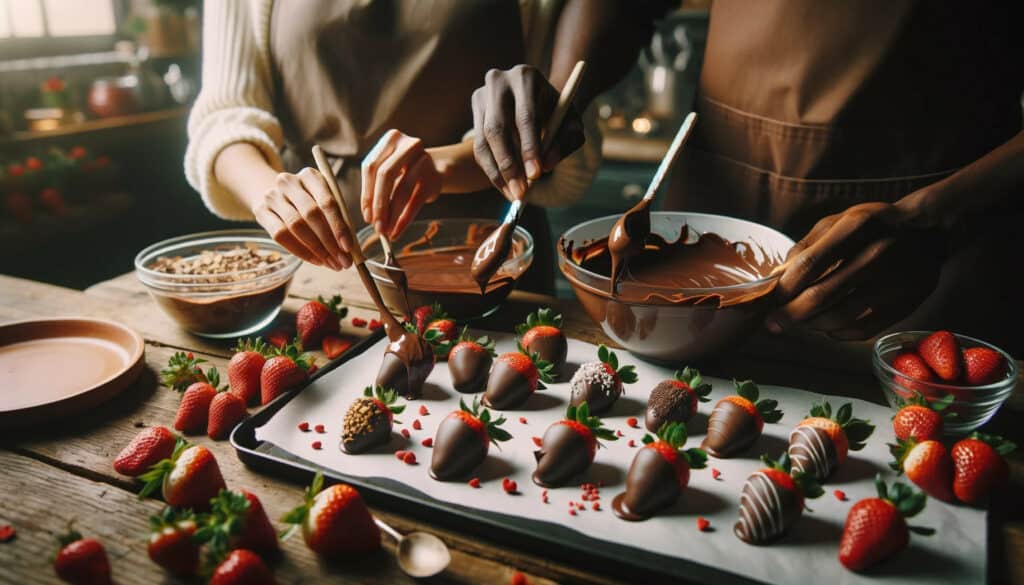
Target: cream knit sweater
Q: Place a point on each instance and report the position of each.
(235, 102)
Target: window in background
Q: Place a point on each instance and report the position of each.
(20, 19)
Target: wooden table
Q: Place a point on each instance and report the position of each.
(62, 471)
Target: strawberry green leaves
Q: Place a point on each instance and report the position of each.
(257, 345)
(297, 516)
(692, 378)
(545, 369)
(387, 397)
(543, 316)
(857, 430)
(805, 481)
(493, 427)
(581, 414)
(1002, 446)
(627, 374)
(908, 502)
(334, 305)
(767, 407)
(182, 371)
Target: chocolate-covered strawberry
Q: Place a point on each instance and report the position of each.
(369, 420)
(568, 446)
(599, 384)
(408, 360)
(772, 500)
(737, 420)
(469, 362)
(542, 335)
(463, 439)
(514, 378)
(658, 475)
(676, 400)
(820, 443)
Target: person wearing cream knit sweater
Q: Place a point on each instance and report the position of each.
(384, 87)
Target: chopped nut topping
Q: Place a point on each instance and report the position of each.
(228, 265)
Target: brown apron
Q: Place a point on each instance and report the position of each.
(807, 108)
(349, 70)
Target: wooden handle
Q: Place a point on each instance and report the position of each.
(332, 182)
(572, 85)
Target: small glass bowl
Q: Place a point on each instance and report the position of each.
(224, 305)
(972, 406)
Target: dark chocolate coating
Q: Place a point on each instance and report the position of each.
(491, 254)
(730, 430)
(506, 388)
(598, 396)
(812, 451)
(552, 349)
(766, 510)
(563, 454)
(407, 362)
(651, 486)
(469, 370)
(379, 435)
(457, 450)
(667, 403)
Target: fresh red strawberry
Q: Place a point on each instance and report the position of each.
(283, 372)
(676, 400)
(514, 378)
(335, 345)
(239, 518)
(194, 408)
(226, 411)
(171, 541)
(724, 437)
(983, 366)
(464, 431)
(920, 418)
(335, 522)
(242, 567)
(82, 561)
(33, 163)
(772, 500)
(245, 367)
(569, 446)
(979, 467)
(19, 206)
(917, 375)
(542, 334)
(941, 352)
(182, 371)
(927, 464)
(190, 478)
(843, 431)
(876, 528)
(423, 315)
(278, 338)
(52, 200)
(148, 447)
(318, 318)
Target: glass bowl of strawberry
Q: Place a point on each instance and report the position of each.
(967, 378)
(222, 284)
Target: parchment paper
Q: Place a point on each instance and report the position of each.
(956, 554)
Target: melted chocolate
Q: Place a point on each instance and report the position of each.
(651, 486)
(564, 453)
(766, 510)
(731, 429)
(469, 370)
(552, 349)
(408, 360)
(812, 451)
(457, 449)
(627, 238)
(668, 403)
(491, 254)
(376, 430)
(397, 275)
(506, 388)
(594, 385)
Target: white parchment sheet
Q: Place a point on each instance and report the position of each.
(956, 554)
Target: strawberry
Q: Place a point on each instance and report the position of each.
(282, 372)
(53, 201)
(194, 408)
(941, 352)
(19, 206)
(370, 420)
(773, 500)
(737, 420)
(514, 378)
(542, 334)
(422, 316)
(171, 544)
(820, 443)
(278, 338)
(469, 362)
(920, 418)
(676, 400)
(189, 478)
(182, 371)
(318, 318)
(569, 446)
(241, 567)
(148, 447)
(335, 522)
(927, 463)
(463, 439)
(82, 561)
(33, 163)
(334, 345)
(244, 369)
(226, 411)
(599, 384)
(238, 520)
(643, 497)
(917, 374)
(979, 467)
(447, 332)
(983, 366)
(876, 528)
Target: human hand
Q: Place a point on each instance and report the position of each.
(299, 212)
(399, 177)
(858, 272)
(509, 112)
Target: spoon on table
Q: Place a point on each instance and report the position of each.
(420, 554)
(629, 234)
(492, 251)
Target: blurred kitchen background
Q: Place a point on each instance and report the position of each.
(94, 95)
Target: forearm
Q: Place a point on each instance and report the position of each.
(242, 170)
(459, 171)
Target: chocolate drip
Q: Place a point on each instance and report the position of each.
(457, 450)
(362, 434)
(667, 403)
(550, 349)
(469, 370)
(731, 429)
(812, 451)
(651, 486)
(407, 362)
(766, 511)
(594, 385)
(564, 453)
(627, 238)
(491, 254)
(506, 388)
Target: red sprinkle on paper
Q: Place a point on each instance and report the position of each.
(357, 322)
(631, 421)
(840, 495)
(416, 425)
(409, 458)
(428, 442)
(317, 445)
(522, 420)
(519, 579)
(544, 499)
(319, 429)
(311, 369)
(423, 410)
(7, 532)
(400, 454)
(715, 474)
(596, 506)
(703, 524)
(632, 443)
(509, 486)
(375, 324)
(475, 482)
(537, 441)
(544, 493)
(618, 433)
(572, 511)
(405, 433)
(304, 427)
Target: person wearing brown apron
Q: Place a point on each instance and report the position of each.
(885, 135)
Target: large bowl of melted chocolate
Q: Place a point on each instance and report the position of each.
(701, 284)
(435, 257)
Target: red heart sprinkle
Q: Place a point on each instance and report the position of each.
(409, 458)
(416, 425)
(537, 441)
(375, 324)
(317, 445)
(596, 506)
(715, 474)
(631, 421)
(522, 420)
(428, 442)
(304, 426)
(475, 482)
(319, 429)
(703, 524)
(423, 410)
(632, 443)
(840, 495)
(405, 433)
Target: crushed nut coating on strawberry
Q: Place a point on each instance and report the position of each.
(318, 318)
(81, 561)
(370, 420)
(676, 400)
(148, 447)
(876, 528)
(335, 522)
(446, 332)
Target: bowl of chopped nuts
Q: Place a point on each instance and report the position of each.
(218, 284)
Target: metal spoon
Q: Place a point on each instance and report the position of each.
(419, 554)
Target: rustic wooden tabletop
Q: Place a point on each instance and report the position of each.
(62, 471)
